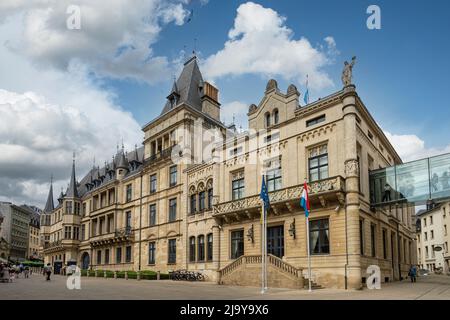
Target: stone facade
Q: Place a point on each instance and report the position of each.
(215, 225)
(432, 231)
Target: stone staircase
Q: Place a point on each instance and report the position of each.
(246, 271)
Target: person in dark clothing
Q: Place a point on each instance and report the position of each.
(412, 273)
(387, 193)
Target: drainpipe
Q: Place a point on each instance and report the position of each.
(346, 247)
(140, 224)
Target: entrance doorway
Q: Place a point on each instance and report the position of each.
(275, 241)
(85, 261)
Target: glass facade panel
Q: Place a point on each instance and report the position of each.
(440, 177)
(414, 182)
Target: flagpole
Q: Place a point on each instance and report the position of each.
(265, 250)
(309, 254)
(263, 213)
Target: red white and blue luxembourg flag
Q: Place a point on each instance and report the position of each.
(304, 200)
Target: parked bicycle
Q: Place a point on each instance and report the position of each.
(180, 275)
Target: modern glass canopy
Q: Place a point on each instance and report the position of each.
(415, 182)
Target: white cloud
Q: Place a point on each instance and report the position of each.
(236, 109)
(411, 147)
(261, 43)
(115, 38)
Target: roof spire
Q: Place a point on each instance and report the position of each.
(72, 191)
(49, 206)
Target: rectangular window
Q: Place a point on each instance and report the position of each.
(235, 151)
(152, 215)
(151, 253)
(315, 121)
(193, 203)
(118, 255)
(76, 233)
(210, 198)
(237, 244)
(426, 236)
(273, 178)
(432, 234)
(384, 244)
(99, 257)
(318, 163)
(372, 239)
(83, 232)
(172, 251)
(128, 220)
(210, 247)
(201, 248)
(173, 175)
(238, 187)
(272, 137)
(201, 200)
(172, 210)
(69, 207)
(129, 193)
(319, 236)
(431, 220)
(128, 254)
(107, 256)
(153, 183)
(67, 232)
(192, 249)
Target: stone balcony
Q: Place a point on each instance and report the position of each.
(118, 236)
(321, 192)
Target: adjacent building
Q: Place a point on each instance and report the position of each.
(433, 238)
(188, 198)
(15, 230)
(4, 246)
(34, 246)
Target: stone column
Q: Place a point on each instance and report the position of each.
(352, 188)
(216, 251)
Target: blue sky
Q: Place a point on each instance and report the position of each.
(401, 73)
(63, 90)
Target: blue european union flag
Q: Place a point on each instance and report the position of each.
(264, 195)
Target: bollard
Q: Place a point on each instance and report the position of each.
(115, 274)
(158, 275)
(138, 275)
(126, 275)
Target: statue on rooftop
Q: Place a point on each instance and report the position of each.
(347, 72)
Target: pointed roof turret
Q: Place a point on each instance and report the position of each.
(123, 162)
(49, 206)
(72, 191)
(187, 87)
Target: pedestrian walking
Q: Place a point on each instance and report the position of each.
(26, 272)
(48, 271)
(413, 273)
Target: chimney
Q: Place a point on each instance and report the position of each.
(210, 101)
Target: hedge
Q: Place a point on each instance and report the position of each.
(145, 274)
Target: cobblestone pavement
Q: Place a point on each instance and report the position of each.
(35, 287)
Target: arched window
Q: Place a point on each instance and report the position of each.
(275, 116)
(192, 249)
(193, 203)
(267, 115)
(201, 248)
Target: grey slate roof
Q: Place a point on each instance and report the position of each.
(49, 206)
(72, 190)
(188, 86)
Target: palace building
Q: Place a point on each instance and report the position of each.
(188, 198)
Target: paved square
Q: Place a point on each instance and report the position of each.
(35, 287)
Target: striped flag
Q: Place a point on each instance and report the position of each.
(304, 200)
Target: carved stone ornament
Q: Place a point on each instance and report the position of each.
(272, 84)
(292, 89)
(252, 108)
(352, 168)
